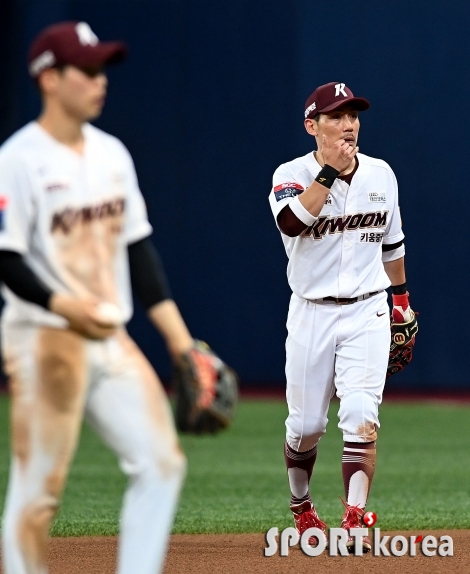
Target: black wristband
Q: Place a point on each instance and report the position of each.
(399, 289)
(327, 176)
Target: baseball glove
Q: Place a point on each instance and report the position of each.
(206, 391)
(401, 345)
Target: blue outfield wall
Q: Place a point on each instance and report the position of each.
(210, 102)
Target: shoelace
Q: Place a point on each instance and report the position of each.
(318, 523)
(321, 525)
(303, 520)
(353, 513)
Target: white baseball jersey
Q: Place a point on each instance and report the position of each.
(71, 216)
(340, 253)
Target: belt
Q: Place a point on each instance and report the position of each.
(345, 300)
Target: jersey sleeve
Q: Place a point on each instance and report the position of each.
(393, 232)
(285, 191)
(392, 246)
(16, 205)
(137, 225)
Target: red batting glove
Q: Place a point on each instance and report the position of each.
(401, 312)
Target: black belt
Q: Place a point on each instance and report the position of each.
(346, 301)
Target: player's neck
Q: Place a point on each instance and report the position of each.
(348, 170)
(65, 129)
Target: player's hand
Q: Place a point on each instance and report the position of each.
(339, 154)
(82, 315)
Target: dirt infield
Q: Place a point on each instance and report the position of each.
(243, 554)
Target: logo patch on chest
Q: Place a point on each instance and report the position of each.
(377, 197)
(57, 185)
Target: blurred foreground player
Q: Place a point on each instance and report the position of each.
(74, 241)
(338, 214)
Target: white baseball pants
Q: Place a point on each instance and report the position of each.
(335, 347)
(56, 377)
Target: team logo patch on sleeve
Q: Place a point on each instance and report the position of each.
(3, 205)
(285, 190)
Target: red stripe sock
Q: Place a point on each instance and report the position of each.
(299, 470)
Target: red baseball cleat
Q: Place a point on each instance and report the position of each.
(352, 518)
(305, 516)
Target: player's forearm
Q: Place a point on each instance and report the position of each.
(314, 197)
(396, 271)
(168, 321)
(335, 160)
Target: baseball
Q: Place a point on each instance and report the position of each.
(109, 313)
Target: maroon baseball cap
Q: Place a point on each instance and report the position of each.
(331, 96)
(72, 43)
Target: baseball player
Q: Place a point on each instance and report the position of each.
(74, 241)
(337, 211)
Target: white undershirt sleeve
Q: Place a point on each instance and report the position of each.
(393, 254)
(393, 232)
(285, 191)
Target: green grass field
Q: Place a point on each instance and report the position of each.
(237, 480)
